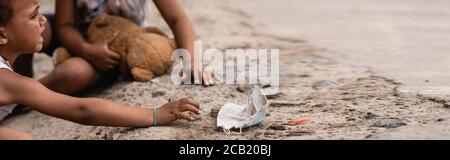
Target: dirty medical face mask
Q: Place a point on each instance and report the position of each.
(244, 116)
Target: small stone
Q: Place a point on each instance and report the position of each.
(115, 136)
(265, 85)
(158, 93)
(323, 84)
(218, 129)
(277, 127)
(447, 105)
(318, 105)
(346, 87)
(348, 99)
(244, 88)
(120, 95)
(299, 133)
(389, 123)
(370, 115)
(269, 133)
(274, 96)
(303, 111)
(304, 75)
(350, 119)
(214, 112)
(286, 103)
(271, 93)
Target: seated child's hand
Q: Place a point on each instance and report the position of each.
(205, 74)
(175, 110)
(101, 56)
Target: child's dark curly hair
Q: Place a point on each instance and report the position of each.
(6, 12)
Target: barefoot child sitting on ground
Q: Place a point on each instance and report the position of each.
(21, 27)
(89, 65)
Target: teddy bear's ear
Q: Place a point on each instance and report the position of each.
(101, 21)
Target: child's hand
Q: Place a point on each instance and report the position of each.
(206, 75)
(175, 110)
(101, 57)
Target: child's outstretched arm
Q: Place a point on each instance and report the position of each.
(91, 111)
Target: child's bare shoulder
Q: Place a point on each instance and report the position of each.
(9, 78)
(5, 80)
(11, 84)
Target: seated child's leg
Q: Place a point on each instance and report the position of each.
(13, 134)
(51, 40)
(23, 65)
(73, 75)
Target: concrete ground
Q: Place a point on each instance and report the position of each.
(403, 39)
(407, 40)
(338, 59)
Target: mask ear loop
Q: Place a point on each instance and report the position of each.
(227, 131)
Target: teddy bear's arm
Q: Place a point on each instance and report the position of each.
(142, 75)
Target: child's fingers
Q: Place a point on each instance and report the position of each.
(191, 102)
(213, 76)
(197, 78)
(205, 81)
(112, 62)
(184, 76)
(109, 67)
(188, 107)
(113, 55)
(209, 75)
(211, 80)
(185, 116)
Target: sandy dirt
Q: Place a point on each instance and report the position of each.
(342, 101)
(402, 39)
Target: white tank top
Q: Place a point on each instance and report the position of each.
(5, 110)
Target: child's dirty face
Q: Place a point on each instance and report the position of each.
(26, 26)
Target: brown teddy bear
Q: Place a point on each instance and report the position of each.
(146, 52)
